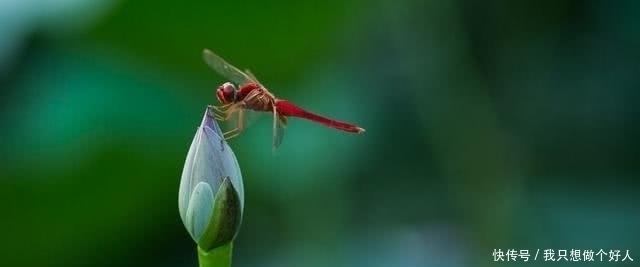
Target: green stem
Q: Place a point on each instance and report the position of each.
(217, 257)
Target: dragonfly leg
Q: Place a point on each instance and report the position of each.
(220, 108)
(218, 112)
(211, 112)
(218, 117)
(239, 127)
(231, 134)
(215, 109)
(223, 113)
(224, 118)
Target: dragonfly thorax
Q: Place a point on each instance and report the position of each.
(226, 93)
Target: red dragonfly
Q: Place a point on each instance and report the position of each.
(252, 95)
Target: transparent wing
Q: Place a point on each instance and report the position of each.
(264, 89)
(251, 117)
(248, 72)
(279, 124)
(225, 69)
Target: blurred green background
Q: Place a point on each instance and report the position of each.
(490, 125)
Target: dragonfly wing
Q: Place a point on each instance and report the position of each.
(225, 69)
(279, 124)
(250, 74)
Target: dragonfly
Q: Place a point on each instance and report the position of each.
(251, 94)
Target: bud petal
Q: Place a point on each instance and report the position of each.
(199, 210)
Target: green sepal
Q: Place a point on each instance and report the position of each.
(225, 220)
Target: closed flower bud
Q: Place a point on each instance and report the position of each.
(211, 195)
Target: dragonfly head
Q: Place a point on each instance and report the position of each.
(226, 93)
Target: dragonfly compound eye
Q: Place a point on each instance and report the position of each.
(226, 93)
